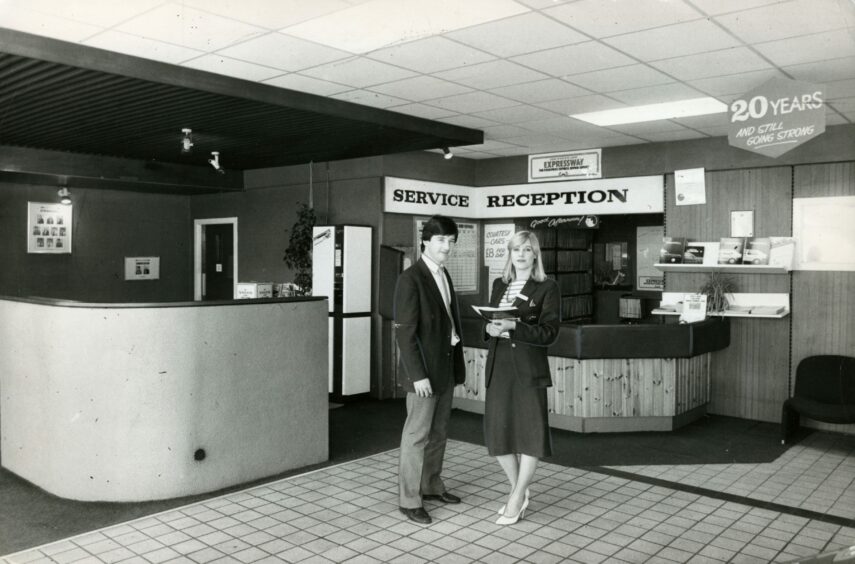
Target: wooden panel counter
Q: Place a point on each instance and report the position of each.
(615, 378)
(134, 402)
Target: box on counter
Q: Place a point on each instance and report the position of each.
(254, 290)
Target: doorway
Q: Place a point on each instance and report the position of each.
(215, 244)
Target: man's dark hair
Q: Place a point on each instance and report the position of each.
(438, 225)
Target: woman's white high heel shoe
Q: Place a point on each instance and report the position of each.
(502, 508)
(510, 520)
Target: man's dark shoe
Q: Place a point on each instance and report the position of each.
(417, 514)
(444, 497)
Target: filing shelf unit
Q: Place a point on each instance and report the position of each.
(568, 259)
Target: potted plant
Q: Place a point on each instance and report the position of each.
(717, 288)
(298, 254)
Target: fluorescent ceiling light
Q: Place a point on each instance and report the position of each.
(653, 112)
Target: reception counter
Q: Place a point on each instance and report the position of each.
(134, 402)
(615, 378)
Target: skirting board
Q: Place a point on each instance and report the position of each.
(603, 424)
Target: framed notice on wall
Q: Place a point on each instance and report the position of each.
(48, 228)
(462, 264)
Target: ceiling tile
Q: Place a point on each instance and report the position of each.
(381, 23)
(518, 35)
(430, 55)
(604, 19)
(182, 25)
(419, 88)
(540, 4)
(656, 94)
(648, 127)
(491, 75)
(702, 122)
(422, 110)
(540, 90)
(824, 71)
(499, 132)
(47, 25)
(575, 59)
(283, 52)
(516, 114)
(269, 15)
(735, 84)
(101, 13)
(232, 67)
(358, 72)
(843, 105)
(472, 102)
(581, 104)
(141, 47)
(838, 119)
(367, 98)
(671, 41)
(538, 142)
(619, 78)
(568, 127)
(467, 121)
(840, 89)
(715, 7)
(307, 84)
(789, 19)
(716, 63)
(809, 48)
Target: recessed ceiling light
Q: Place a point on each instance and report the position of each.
(652, 112)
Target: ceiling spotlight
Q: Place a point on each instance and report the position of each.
(187, 140)
(64, 196)
(215, 162)
(446, 153)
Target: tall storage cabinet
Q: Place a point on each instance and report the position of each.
(341, 270)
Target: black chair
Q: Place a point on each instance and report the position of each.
(825, 391)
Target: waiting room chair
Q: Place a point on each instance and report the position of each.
(825, 391)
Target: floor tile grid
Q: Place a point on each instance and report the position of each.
(816, 475)
(349, 512)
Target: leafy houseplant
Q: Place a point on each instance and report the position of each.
(298, 255)
(717, 287)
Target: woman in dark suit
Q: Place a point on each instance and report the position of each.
(516, 424)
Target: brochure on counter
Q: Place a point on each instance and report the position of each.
(493, 313)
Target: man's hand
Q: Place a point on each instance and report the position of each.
(423, 389)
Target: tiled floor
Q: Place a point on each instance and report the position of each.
(348, 513)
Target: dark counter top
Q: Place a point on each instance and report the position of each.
(670, 340)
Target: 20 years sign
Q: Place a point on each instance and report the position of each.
(778, 116)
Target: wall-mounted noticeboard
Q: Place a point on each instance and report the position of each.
(824, 230)
(48, 228)
(462, 264)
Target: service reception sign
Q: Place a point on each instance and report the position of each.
(778, 116)
(637, 194)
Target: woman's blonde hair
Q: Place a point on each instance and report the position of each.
(509, 274)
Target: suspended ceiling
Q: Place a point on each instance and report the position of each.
(279, 82)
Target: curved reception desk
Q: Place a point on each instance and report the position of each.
(615, 378)
(134, 402)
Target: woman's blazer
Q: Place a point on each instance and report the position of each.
(540, 317)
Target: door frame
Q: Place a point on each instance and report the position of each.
(197, 252)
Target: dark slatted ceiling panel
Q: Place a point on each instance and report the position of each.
(45, 105)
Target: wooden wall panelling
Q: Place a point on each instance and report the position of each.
(747, 377)
(823, 316)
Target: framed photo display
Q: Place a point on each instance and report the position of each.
(48, 228)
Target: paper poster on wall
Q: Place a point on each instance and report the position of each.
(496, 237)
(690, 187)
(647, 245)
(142, 268)
(49, 228)
(462, 264)
(824, 231)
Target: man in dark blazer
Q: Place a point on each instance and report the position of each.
(427, 324)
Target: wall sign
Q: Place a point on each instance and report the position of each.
(49, 228)
(824, 230)
(648, 241)
(462, 263)
(496, 237)
(142, 268)
(778, 116)
(639, 194)
(567, 165)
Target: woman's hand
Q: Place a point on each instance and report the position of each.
(499, 326)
